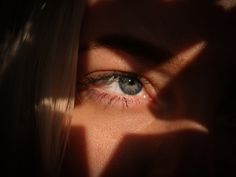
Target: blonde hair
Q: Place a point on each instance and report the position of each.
(40, 68)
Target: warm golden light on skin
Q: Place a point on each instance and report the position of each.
(105, 128)
(175, 109)
(185, 57)
(174, 126)
(227, 5)
(123, 63)
(94, 57)
(174, 66)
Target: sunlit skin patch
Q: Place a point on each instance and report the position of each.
(106, 126)
(159, 75)
(165, 27)
(175, 126)
(162, 74)
(105, 130)
(227, 5)
(183, 58)
(114, 101)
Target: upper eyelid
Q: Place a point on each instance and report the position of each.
(85, 82)
(104, 74)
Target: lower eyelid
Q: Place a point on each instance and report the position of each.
(112, 100)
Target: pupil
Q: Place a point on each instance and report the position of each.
(130, 85)
(131, 82)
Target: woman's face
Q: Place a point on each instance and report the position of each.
(146, 89)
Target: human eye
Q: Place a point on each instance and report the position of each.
(116, 88)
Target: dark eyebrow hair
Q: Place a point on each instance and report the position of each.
(136, 47)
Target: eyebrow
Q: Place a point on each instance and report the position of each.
(143, 50)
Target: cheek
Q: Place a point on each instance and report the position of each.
(104, 129)
(105, 132)
(111, 121)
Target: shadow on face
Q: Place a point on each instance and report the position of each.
(201, 91)
(174, 26)
(183, 153)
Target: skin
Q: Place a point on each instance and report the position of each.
(170, 131)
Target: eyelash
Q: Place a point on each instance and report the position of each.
(89, 88)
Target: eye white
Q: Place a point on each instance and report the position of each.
(113, 85)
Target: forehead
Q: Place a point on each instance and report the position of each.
(171, 24)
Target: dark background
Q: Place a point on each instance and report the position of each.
(13, 15)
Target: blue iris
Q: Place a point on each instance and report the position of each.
(130, 85)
